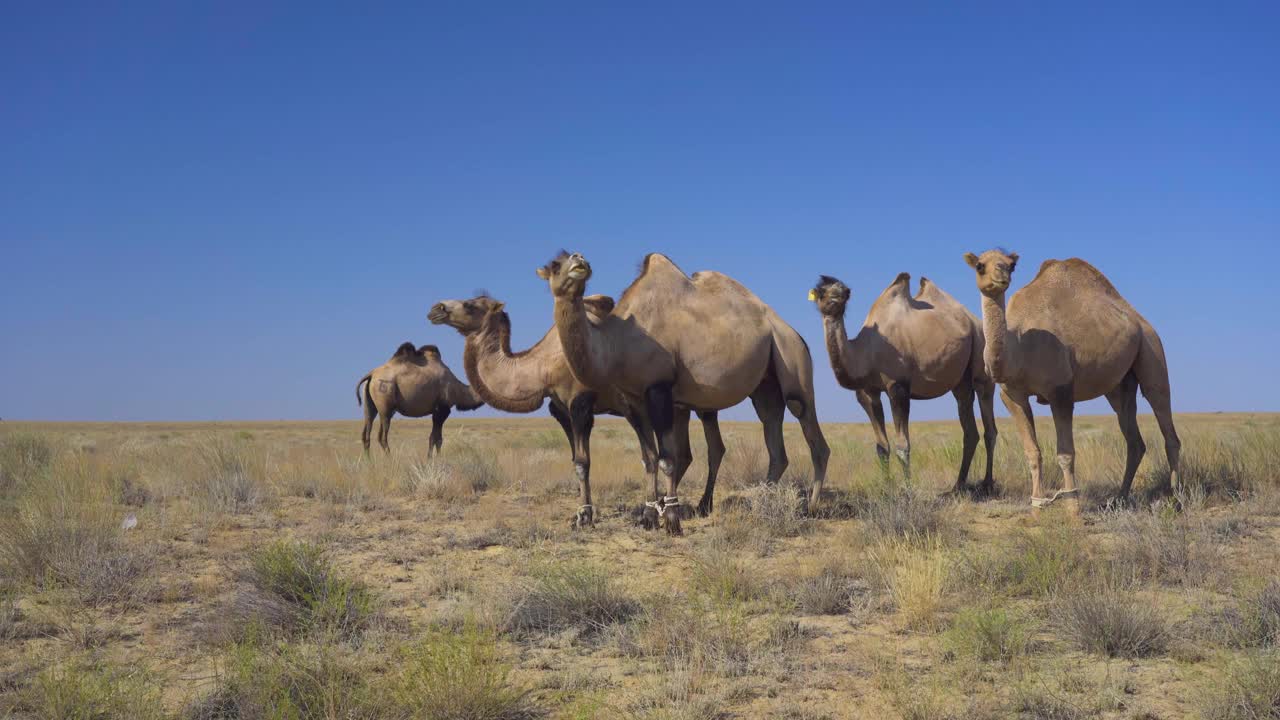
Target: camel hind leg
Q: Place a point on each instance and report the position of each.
(715, 453)
(384, 431)
(370, 414)
(964, 405)
(1153, 377)
(1124, 400)
(770, 408)
(900, 405)
(819, 452)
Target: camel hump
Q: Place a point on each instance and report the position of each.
(903, 279)
(599, 304)
(1078, 268)
(924, 283)
(429, 350)
(406, 350)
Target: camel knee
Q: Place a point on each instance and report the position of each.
(1066, 461)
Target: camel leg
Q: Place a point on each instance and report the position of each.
(384, 432)
(370, 414)
(819, 451)
(660, 402)
(964, 405)
(437, 429)
(1064, 406)
(900, 405)
(767, 400)
(986, 403)
(582, 419)
(1020, 409)
(1124, 400)
(649, 458)
(1153, 378)
(715, 453)
(561, 415)
(870, 401)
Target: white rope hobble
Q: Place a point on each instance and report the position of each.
(1040, 502)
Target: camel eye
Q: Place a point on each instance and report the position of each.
(982, 267)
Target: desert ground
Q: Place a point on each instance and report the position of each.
(268, 570)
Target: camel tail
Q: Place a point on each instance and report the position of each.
(359, 396)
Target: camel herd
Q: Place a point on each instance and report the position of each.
(676, 344)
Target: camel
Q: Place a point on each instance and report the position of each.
(1069, 336)
(912, 348)
(519, 382)
(703, 342)
(415, 382)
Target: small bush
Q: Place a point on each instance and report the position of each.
(1112, 623)
(297, 588)
(92, 692)
(1037, 564)
(723, 574)
(558, 596)
(1166, 546)
(463, 474)
(22, 456)
(777, 509)
(1250, 691)
(915, 574)
(227, 476)
(285, 681)
(450, 675)
(830, 592)
(1257, 621)
(988, 635)
(901, 510)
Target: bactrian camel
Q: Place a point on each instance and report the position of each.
(912, 348)
(519, 382)
(414, 383)
(703, 342)
(1065, 337)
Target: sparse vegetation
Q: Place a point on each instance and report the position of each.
(556, 596)
(294, 587)
(1112, 623)
(990, 634)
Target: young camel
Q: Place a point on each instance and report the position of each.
(518, 382)
(703, 342)
(913, 348)
(414, 383)
(1065, 337)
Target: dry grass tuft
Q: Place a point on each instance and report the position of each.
(915, 573)
(88, 691)
(568, 595)
(992, 634)
(228, 476)
(723, 574)
(1112, 623)
(1250, 690)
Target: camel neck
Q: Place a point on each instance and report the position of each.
(586, 358)
(995, 332)
(506, 381)
(846, 361)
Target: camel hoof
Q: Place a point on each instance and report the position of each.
(671, 517)
(705, 506)
(649, 518)
(584, 518)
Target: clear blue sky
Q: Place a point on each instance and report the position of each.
(234, 210)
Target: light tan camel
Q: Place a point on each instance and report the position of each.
(703, 342)
(913, 348)
(1069, 336)
(414, 383)
(518, 382)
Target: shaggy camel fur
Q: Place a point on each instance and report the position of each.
(913, 348)
(1065, 337)
(704, 343)
(518, 382)
(414, 383)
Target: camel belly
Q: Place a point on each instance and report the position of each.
(721, 380)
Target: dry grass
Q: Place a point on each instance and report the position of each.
(455, 585)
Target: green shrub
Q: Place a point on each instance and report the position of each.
(297, 588)
(71, 691)
(456, 675)
(288, 682)
(988, 635)
(557, 596)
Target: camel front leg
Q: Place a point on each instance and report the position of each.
(870, 402)
(715, 453)
(1063, 407)
(964, 406)
(1124, 400)
(986, 401)
(900, 404)
(660, 402)
(1020, 409)
(437, 429)
(582, 419)
(649, 458)
(767, 400)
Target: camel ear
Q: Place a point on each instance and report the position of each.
(542, 273)
(497, 307)
(1013, 261)
(972, 260)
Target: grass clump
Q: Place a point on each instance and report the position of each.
(1256, 623)
(227, 476)
(568, 595)
(1250, 690)
(902, 510)
(915, 573)
(1166, 546)
(76, 691)
(456, 675)
(22, 456)
(777, 509)
(1036, 564)
(988, 635)
(1112, 623)
(297, 588)
(723, 574)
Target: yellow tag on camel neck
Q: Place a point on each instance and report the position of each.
(813, 296)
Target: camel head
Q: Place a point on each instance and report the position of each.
(465, 316)
(994, 269)
(567, 274)
(830, 295)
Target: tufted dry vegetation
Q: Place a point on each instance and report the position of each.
(268, 570)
